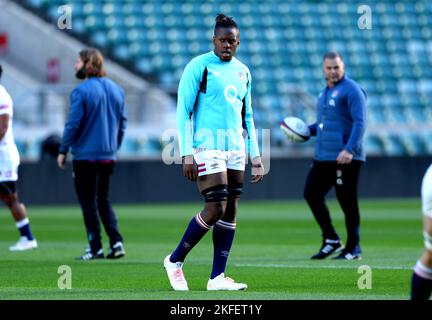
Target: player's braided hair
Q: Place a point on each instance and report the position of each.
(222, 21)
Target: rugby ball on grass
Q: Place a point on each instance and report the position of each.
(295, 129)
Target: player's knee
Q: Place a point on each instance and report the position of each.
(217, 193)
(215, 198)
(235, 190)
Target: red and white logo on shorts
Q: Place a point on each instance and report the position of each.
(201, 167)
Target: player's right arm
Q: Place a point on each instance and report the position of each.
(188, 91)
(76, 112)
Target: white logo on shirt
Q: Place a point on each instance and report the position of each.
(332, 103)
(230, 93)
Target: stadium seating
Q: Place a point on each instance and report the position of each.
(283, 42)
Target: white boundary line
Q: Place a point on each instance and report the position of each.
(252, 265)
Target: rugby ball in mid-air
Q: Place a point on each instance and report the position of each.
(295, 129)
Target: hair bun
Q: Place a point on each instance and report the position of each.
(221, 18)
(225, 21)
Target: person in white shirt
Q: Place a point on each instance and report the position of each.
(9, 162)
(421, 283)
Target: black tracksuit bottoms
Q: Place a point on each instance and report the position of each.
(321, 178)
(92, 179)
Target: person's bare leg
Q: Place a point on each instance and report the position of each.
(421, 286)
(224, 229)
(18, 211)
(16, 208)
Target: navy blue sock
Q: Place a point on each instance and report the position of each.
(223, 236)
(421, 287)
(195, 231)
(24, 228)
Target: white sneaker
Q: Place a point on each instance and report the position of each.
(175, 274)
(224, 283)
(24, 244)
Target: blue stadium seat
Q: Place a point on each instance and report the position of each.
(394, 146)
(413, 143)
(374, 145)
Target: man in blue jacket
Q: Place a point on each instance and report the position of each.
(94, 131)
(339, 154)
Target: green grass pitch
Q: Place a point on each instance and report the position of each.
(271, 251)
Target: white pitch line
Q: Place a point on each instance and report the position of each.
(317, 267)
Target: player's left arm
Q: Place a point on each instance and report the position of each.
(356, 102)
(76, 112)
(252, 143)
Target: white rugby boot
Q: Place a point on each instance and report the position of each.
(224, 283)
(24, 244)
(175, 274)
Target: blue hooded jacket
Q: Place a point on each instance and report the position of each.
(96, 122)
(341, 121)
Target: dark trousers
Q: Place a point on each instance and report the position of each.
(92, 187)
(321, 178)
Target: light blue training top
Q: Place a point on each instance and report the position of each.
(212, 115)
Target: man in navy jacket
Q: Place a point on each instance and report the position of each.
(94, 131)
(339, 154)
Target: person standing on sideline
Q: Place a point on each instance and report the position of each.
(94, 131)
(9, 162)
(213, 109)
(421, 285)
(339, 154)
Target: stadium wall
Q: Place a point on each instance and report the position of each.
(42, 183)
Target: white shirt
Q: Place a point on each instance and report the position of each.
(9, 156)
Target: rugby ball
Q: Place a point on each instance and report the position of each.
(295, 129)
